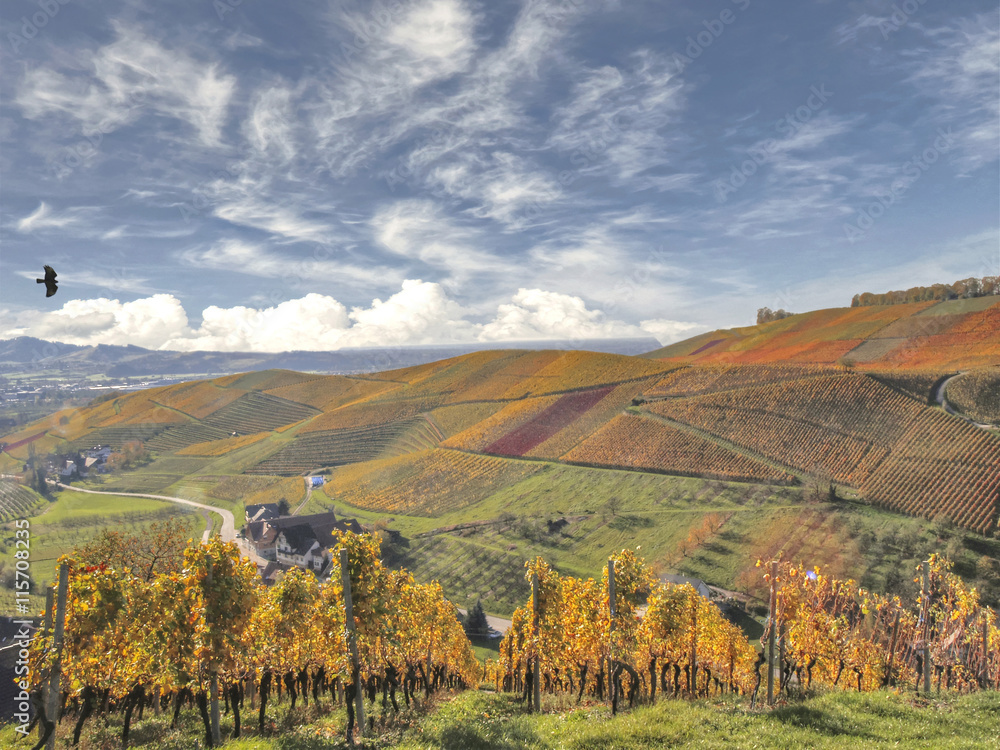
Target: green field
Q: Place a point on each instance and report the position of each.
(488, 721)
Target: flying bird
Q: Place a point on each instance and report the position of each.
(50, 281)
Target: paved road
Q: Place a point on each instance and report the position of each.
(939, 396)
(227, 533)
(497, 623)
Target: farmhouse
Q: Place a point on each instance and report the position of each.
(301, 541)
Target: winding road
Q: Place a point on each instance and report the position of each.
(227, 533)
(939, 397)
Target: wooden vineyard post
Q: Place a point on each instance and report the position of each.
(49, 601)
(892, 651)
(772, 625)
(52, 699)
(611, 637)
(213, 685)
(694, 647)
(986, 650)
(352, 643)
(925, 593)
(536, 687)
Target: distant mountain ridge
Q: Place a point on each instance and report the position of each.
(132, 361)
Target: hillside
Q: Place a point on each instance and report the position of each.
(713, 451)
(942, 336)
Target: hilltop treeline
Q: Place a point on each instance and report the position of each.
(964, 289)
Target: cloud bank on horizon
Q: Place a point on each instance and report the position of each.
(249, 176)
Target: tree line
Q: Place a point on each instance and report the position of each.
(963, 289)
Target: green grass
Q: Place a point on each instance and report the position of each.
(487, 721)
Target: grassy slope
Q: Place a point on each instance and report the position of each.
(487, 721)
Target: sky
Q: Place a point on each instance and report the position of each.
(246, 175)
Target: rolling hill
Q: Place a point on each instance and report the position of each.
(748, 426)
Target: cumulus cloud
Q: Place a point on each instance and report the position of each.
(537, 314)
(419, 313)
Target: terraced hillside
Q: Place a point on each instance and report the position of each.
(702, 451)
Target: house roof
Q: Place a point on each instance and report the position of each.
(301, 531)
(269, 572)
(699, 585)
(262, 512)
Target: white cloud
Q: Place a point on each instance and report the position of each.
(129, 77)
(146, 322)
(419, 230)
(320, 269)
(668, 331)
(419, 313)
(44, 217)
(537, 314)
(960, 73)
(623, 123)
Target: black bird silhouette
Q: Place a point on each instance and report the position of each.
(50, 281)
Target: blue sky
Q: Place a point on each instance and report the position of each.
(313, 175)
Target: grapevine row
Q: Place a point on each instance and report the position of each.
(213, 623)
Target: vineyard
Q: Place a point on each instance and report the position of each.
(258, 412)
(634, 442)
(313, 450)
(841, 424)
(177, 438)
(207, 628)
(197, 399)
(561, 413)
(16, 501)
(494, 427)
(906, 336)
(941, 467)
(368, 414)
(426, 483)
(628, 636)
(695, 381)
(976, 394)
(220, 446)
(331, 390)
(587, 423)
(858, 431)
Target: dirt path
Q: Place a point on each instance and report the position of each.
(227, 533)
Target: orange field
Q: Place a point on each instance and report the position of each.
(512, 416)
(199, 398)
(329, 391)
(425, 483)
(634, 442)
(584, 426)
(907, 336)
(842, 425)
